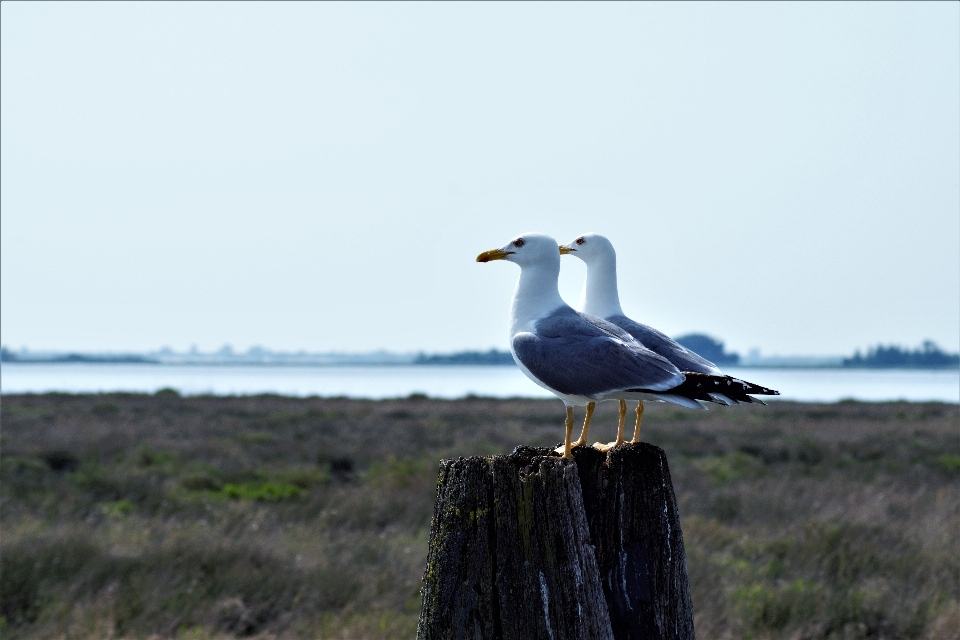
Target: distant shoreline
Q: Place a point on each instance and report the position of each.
(343, 364)
(928, 357)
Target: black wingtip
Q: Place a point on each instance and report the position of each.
(699, 386)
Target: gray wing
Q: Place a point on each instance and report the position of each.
(659, 343)
(580, 355)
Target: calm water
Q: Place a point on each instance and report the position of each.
(817, 385)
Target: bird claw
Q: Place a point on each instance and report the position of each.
(608, 446)
(560, 452)
(573, 445)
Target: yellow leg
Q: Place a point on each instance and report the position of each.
(636, 430)
(586, 424)
(623, 417)
(569, 424)
(619, 440)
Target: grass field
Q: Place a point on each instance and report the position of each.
(136, 516)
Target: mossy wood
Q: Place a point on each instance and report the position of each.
(533, 546)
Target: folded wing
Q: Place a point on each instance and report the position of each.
(577, 354)
(663, 345)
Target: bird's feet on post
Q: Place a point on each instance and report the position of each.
(586, 425)
(636, 430)
(619, 440)
(565, 450)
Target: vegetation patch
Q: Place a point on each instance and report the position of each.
(774, 607)
(401, 474)
(949, 462)
(271, 517)
(200, 482)
(255, 437)
(147, 457)
(117, 508)
(269, 491)
(105, 410)
(730, 467)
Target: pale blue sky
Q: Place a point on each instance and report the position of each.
(322, 176)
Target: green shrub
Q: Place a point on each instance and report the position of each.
(305, 477)
(267, 491)
(808, 452)
(103, 483)
(200, 482)
(22, 476)
(147, 457)
(766, 607)
(401, 474)
(726, 508)
(117, 509)
(950, 462)
(105, 410)
(729, 468)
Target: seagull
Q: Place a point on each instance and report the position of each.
(578, 357)
(600, 298)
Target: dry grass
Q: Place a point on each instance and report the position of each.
(160, 516)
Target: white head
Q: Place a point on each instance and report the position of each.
(591, 248)
(526, 250)
(600, 297)
(536, 294)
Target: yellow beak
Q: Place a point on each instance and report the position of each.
(565, 250)
(493, 254)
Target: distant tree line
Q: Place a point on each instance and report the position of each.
(709, 348)
(493, 356)
(6, 355)
(929, 355)
(704, 345)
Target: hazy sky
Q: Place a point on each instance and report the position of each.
(322, 176)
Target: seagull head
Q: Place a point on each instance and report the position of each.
(527, 249)
(590, 247)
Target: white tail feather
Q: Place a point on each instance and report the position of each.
(723, 399)
(680, 400)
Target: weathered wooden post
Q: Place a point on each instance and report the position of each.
(532, 546)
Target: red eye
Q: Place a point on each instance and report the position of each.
(580, 240)
(518, 243)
